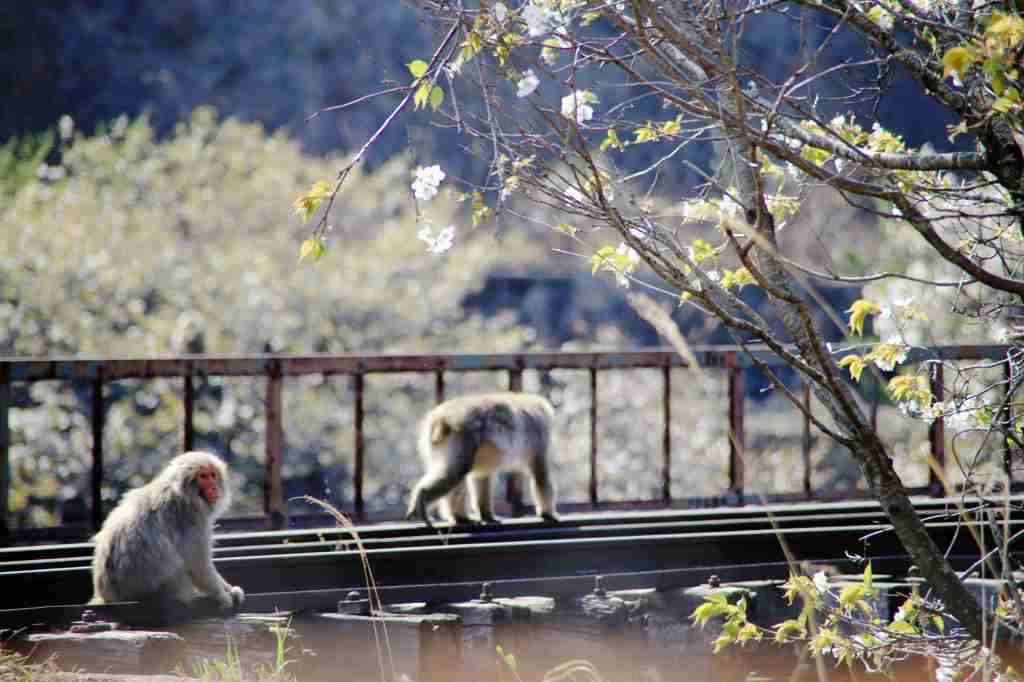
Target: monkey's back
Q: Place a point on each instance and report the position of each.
(140, 547)
(497, 430)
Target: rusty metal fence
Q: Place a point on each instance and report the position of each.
(730, 359)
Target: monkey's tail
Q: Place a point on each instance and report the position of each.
(439, 430)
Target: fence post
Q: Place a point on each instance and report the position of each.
(513, 485)
(188, 440)
(736, 436)
(99, 415)
(593, 435)
(439, 386)
(358, 382)
(806, 449)
(273, 492)
(937, 436)
(1008, 420)
(5, 452)
(666, 434)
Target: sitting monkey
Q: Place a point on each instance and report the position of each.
(157, 544)
(475, 436)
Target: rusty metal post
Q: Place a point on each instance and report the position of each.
(736, 436)
(666, 434)
(937, 436)
(513, 485)
(5, 452)
(806, 449)
(593, 435)
(273, 490)
(189, 404)
(99, 415)
(515, 380)
(358, 381)
(439, 387)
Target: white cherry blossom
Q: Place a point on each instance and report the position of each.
(527, 84)
(574, 105)
(426, 180)
(439, 244)
(538, 20)
(821, 582)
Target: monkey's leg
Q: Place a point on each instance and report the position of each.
(436, 484)
(543, 487)
(453, 506)
(480, 486)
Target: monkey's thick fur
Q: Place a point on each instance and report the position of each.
(157, 544)
(471, 438)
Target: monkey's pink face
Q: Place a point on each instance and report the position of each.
(208, 480)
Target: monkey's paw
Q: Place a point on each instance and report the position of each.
(231, 598)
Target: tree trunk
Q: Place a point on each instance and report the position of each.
(869, 452)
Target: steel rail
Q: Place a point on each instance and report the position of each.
(629, 548)
(592, 524)
(357, 597)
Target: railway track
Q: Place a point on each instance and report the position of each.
(316, 568)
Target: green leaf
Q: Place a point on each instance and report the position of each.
(747, 633)
(436, 97)
(902, 627)
(596, 261)
(419, 99)
(417, 68)
(705, 612)
(850, 594)
(860, 309)
(788, 629)
(957, 60)
(313, 247)
(1003, 105)
(856, 364)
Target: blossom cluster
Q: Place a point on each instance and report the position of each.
(426, 181)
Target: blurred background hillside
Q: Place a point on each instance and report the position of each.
(149, 155)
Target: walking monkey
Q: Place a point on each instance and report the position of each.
(472, 437)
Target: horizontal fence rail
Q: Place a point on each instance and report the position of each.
(274, 368)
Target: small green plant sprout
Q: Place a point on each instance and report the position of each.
(231, 668)
(509, 659)
(281, 632)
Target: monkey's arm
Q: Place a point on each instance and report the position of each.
(204, 575)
